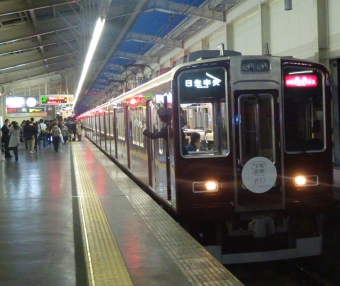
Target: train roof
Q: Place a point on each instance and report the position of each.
(204, 56)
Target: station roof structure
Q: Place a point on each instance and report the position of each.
(43, 43)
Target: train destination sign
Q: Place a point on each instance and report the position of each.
(57, 99)
(301, 81)
(202, 83)
(207, 82)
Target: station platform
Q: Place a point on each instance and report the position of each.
(74, 218)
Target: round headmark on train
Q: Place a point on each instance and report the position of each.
(259, 175)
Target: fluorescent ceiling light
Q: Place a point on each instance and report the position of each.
(95, 38)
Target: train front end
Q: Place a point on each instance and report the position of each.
(266, 151)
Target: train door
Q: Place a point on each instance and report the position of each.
(258, 183)
(159, 154)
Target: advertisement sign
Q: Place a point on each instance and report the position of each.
(15, 102)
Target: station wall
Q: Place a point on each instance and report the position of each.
(311, 30)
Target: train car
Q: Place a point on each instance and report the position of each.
(261, 179)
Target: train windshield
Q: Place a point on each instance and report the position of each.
(256, 126)
(203, 119)
(304, 110)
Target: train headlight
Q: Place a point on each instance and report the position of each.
(300, 181)
(211, 186)
(205, 187)
(304, 181)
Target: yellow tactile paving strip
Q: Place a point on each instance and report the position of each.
(104, 262)
(200, 268)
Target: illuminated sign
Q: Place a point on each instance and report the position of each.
(136, 99)
(9, 110)
(148, 96)
(207, 82)
(31, 102)
(202, 83)
(56, 99)
(32, 110)
(301, 81)
(15, 102)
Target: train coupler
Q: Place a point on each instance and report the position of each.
(261, 226)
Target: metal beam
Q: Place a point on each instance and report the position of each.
(181, 9)
(153, 39)
(140, 5)
(136, 57)
(8, 78)
(17, 59)
(16, 6)
(27, 30)
(21, 46)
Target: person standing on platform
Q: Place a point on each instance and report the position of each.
(56, 132)
(73, 131)
(5, 138)
(42, 135)
(36, 136)
(64, 131)
(23, 130)
(14, 140)
(79, 130)
(31, 134)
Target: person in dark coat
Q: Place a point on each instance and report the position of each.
(165, 116)
(31, 135)
(5, 138)
(182, 119)
(14, 140)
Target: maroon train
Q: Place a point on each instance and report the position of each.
(259, 182)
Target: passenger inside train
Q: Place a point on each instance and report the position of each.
(195, 140)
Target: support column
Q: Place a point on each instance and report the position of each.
(323, 31)
(336, 126)
(265, 27)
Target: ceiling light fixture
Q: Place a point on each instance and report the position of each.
(95, 38)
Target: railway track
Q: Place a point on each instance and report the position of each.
(323, 270)
(282, 273)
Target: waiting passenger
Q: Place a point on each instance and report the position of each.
(79, 130)
(5, 138)
(56, 132)
(14, 140)
(31, 134)
(42, 134)
(194, 144)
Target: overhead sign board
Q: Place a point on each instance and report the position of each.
(56, 99)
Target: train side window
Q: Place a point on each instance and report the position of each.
(137, 117)
(120, 125)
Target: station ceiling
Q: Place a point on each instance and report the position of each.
(43, 43)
